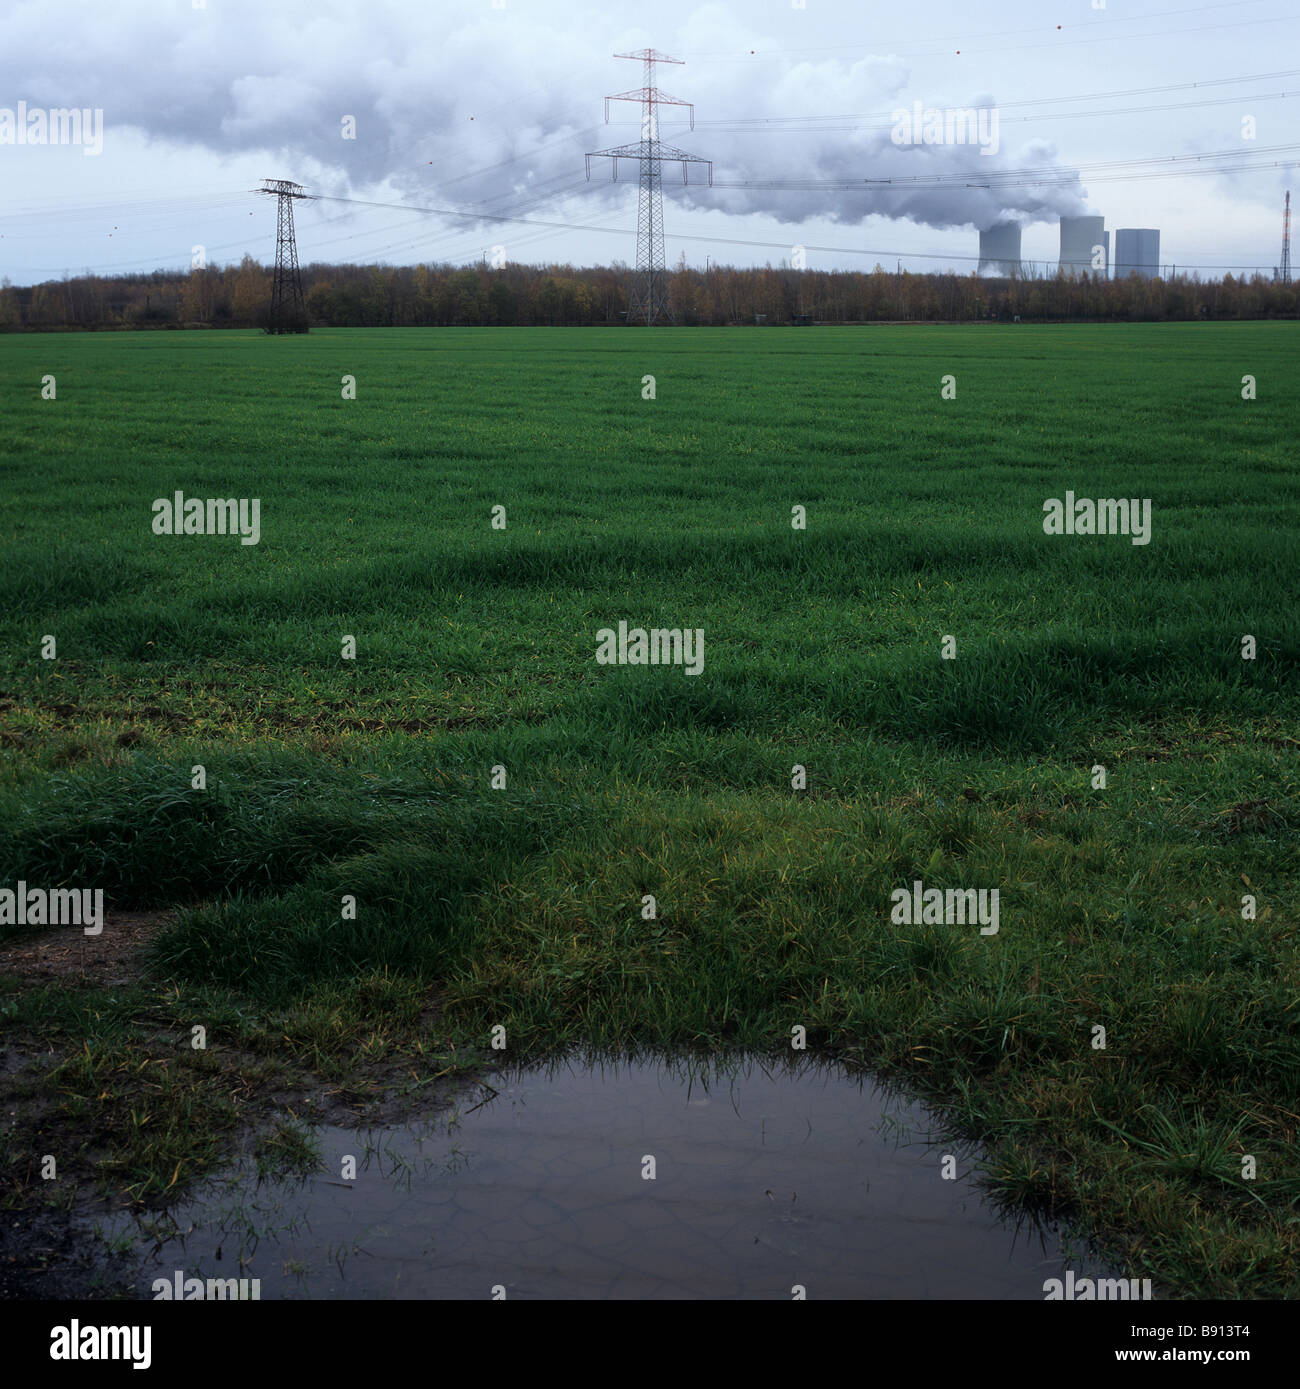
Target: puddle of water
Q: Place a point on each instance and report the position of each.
(764, 1178)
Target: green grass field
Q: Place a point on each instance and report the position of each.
(1121, 907)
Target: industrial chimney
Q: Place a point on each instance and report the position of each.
(1000, 249)
(1080, 239)
(1137, 250)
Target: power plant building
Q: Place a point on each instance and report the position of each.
(1137, 251)
(1080, 237)
(1000, 249)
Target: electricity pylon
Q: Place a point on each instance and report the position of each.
(1286, 241)
(649, 302)
(288, 309)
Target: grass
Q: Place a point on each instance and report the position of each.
(326, 778)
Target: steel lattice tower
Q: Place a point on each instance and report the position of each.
(1285, 267)
(288, 309)
(649, 300)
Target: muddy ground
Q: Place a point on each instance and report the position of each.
(48, 1250)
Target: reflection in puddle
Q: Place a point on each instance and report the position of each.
(640, 1179)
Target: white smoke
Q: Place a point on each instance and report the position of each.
(482, 109)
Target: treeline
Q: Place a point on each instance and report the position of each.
(352, 296)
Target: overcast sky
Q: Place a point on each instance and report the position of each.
(479, 106)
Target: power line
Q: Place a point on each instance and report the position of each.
(736, 241)
(897, 255)
(876, 45)
(171, 207)
(445, 235)
(1010, 179)
(1050, 100)
(793, 129)
(760, 121)
(1005, 178)
(1002, 178)
(1010, 33)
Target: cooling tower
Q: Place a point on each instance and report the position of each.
(1137, 249)
(1000, 249)
(1078, 237)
